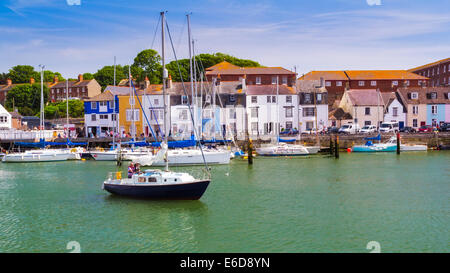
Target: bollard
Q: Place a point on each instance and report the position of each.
(398, 143)
(336, 147)
(250, 152)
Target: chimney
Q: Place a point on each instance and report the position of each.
(80, 77)
(55, 79)
(8, 82)
(244, 86)
(170, 82)
(146, 82)
(32, 81)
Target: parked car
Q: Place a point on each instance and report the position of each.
(407, 129)
(332, 130)
(349, 128)
(445, 127)
(368, 129)
(426, 129)
(388, 127)
(311, 131)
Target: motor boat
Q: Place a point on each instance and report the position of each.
(389, 146)
(41, 155)
(282, 149)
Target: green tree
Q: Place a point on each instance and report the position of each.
(50, 75)
(25, 97)
(59, 109)
(23, 73)
(88, 76)
(147, 63)
(3, 78)
(105, 75)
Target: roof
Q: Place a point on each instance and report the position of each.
(339, 114)
(269, 90)
(442, 95)
(327, 75)
(63, 84)
(104, 96)
(251, 71)
(383, 75)
(429, 65)
(365, 97)
(362, 75)
(15, 115)
(221, 66)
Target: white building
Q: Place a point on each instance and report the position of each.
(313, 109)
(269, 106)
(5, 118)
(394, 109)
(153, 105)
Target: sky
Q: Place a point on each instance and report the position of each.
(79, 36)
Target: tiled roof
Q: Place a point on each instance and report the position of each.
(362, 75)
(327, 75)
(383, 75)
(252, 71)
(365, 97)
(15, 115)
(221, 66)
(339, 114)
(269, 90)
(442, 95)
(428, 65)
(105, 96)
(62, 84)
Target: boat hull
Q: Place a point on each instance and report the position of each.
(413, 148)
(374, 149)
(22, 158)
(189, 159)
(313, 149)
(184, 191)
(282, 151)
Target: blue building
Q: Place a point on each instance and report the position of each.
(101, 114)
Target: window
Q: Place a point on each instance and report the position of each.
(394, 111)
(284, 80)
(415, 109)
(258, 80)
(433, 95)
(103, 116)
(407, 83)
(308, 112)
(232, 113)
(437, 73)
(112, 104)
(361, 83)
(93, 105)
(445, 69)
(414, 95)
(232, 98)
(288, 125)
(156, 114)
(367, 122)
(183, 115)
(156, 102)
(102, 103)
(184, 99)
(93, 117)
(289, 112)
(414, 122)
(113, 117)
(373, 83)
(395, 83)
(434, 109)
(3, 119)
(274, 99)
(274, 80)
(254, 99)
(269, 99)
(327, 83)
(367, 111)
(319, 97)
(255, 126)
(307, 97)
(254, 112)
(309, 125)
(288, 99)
(132, 116)
(338, 83)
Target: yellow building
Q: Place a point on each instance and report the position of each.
(126, 115)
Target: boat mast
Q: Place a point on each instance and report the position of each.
(278, 116)
(67, 108)
(133, 125)
(190, 62)
(42, 101)
(164, 75)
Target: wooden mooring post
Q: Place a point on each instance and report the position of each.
(336, 146)
(398, 143)
(331, 146)
(250, 151)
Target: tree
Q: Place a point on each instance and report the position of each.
(59, 109)
(26, 97)
(23, 73)
(149, 63)
(88, 76)
(105, 75)
(49, 76)
(3, 78)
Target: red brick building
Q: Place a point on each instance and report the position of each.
(5, 88)
(336, 82)
(225, 71)
(438, 72)
(81, 89)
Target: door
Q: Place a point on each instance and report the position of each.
(401, 124)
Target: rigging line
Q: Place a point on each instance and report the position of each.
(154, 114)
(185, 92)
(132, 85)
(181, 35)
(156, 30)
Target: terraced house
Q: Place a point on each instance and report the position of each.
(80, 89)
(426, 105)
(336, 82)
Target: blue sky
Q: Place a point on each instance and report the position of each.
(311, 35)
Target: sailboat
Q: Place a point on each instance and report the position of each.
(281, 148)
(43, 154)
(159, 184)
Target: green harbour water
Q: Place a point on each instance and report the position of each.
(316, 204)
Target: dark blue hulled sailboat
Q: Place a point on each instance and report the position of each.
(159, 184)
